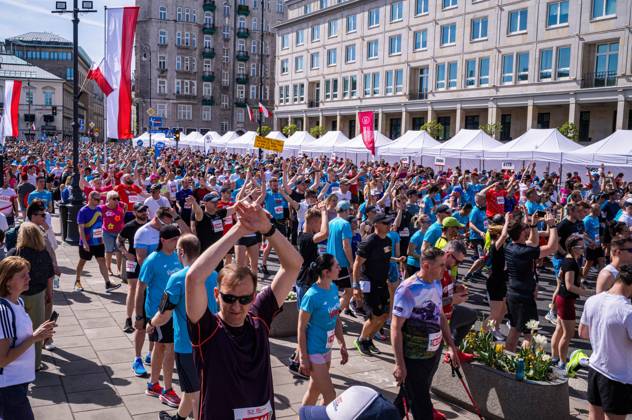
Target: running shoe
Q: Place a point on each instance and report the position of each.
(362, 347)
(294, 370)
(139, 368)
(153, 390)
(498, 336)
(292, 358)
(50, 346)
(110, 287)
(163, 415)
(128, 329)
(551, 317)
(148, 359)
(373, 349)
(575, 362)
(170, 398)
(438, 415)
(78, 287)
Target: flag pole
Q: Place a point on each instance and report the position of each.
(261, 78)
(105, 98)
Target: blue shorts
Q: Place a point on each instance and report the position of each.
(393, 273)
(109, 239)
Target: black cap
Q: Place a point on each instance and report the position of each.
(211, 197)
(383, 218)
(370, 209)
(498, 219)
(156, 187)
(443, 208)
(169, 232)
(140, 206)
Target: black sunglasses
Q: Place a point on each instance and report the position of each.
(230, 299)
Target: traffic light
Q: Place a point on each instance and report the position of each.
(54, 110)
(177, 135)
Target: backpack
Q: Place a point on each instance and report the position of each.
(11, 237)
(5, 304)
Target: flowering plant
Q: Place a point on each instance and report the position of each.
(291, 296)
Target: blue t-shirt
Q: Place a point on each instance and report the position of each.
(591, 227)
(155, 272)
(92, 219)
(463, 219)
(45, 196)
(472, 190)
(175, 291)
(417, 239)
(433, 233)
(339, 230)
(274, 204)
(324, 307)
(532, 207)
(429, 206)
(478, 219)
(395, 239)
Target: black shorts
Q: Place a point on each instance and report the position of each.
(187, 373)
(98, 251)
(162, 334)
(249, 241)
(496, 290)
(281, 226)
(344, 279)
(613, 397)
(522, 311)
(377, 302)
(593, 254)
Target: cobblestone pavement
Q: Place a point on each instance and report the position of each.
(89, 375)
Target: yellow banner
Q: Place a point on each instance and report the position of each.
(269, 144)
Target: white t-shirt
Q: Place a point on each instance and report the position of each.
(343, 196)
(153, 205)
(147, 237)
(22, 369)
(609, 320)
(300, 214)
(7, 196)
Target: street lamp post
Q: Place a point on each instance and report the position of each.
(260, 119)
(76, 195)
(147, 56)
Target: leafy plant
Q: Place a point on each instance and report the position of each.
(433, 128)
(265, 130)
(570, 130)
(289, 129)
(291, 296)
(317, 131)
(491, 129)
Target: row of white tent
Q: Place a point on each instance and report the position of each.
(468, 148)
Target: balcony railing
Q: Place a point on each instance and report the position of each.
(243, 32)
(208, 76)
(418, 95)
(313, 104)
(209, 5)
(243, 9)
(208, 101)
(162, 70)
(208, 53)
(242, 79)
(240, 103)
(599, 79)
(242, 56)
(209, 29)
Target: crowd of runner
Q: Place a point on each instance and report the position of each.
(191, 235)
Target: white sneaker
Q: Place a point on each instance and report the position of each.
(551, 317)
(498, 336)
(50, 346)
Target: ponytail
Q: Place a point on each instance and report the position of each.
(316, 268)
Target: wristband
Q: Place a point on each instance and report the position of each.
(533, 226)
(355, 286)
(270, 232)
(140, 318)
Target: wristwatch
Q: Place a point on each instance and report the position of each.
(270, 232)
(140, 318)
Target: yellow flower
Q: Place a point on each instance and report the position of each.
(499, 348)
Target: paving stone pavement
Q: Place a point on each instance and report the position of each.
(89, 375)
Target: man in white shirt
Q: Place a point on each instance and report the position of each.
(626, 214)
(8, 202)
(155, 200)
(607, 323)
(343, 193)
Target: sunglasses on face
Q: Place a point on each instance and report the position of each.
(230, 299)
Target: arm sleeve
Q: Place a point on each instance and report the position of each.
(346, 231)
(402, 303)
(364, 249)
(202, 330)
(265, 306)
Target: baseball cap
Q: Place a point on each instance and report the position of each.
(234, 178)
(383, 218)
(443, 208)
(498, 219)
(370, 209)
(343, 205)
(156, 187)
(357, 402)
(451, 222)
(169, 232)
(211, 197)
(140, 207)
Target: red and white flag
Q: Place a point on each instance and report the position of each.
(367, 131)
(117, 70)
(9, 126)
(33, 126)
(251, 116)
(264, 111)
(96, 74)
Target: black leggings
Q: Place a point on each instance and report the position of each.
(14, 403)
(416, 387)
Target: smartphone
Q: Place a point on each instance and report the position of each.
(540, 213)
(54, 316)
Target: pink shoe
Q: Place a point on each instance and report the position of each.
(154, 390)
(170, 398)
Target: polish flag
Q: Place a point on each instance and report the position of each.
(264, 111)
(117, 70)
(251, 116)
(366, 130)
(96, 74)
(10, 121)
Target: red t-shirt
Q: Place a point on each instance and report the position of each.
(448, 290)
(495, 202)
(129, 194)
(228, 220)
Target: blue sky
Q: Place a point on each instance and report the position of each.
(20, 16)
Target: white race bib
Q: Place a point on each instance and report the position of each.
(218, 226)
(134, 198)
(331, 334)
(434, 341)
(278, 210)
(365, 286)
(130, 266)
(97, 233)
(404, 233)
(485, 224)
(500, 200)
(263, 412)
(322, 249)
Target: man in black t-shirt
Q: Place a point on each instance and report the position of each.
(370, 273)
(208, 223)
(571, 224)
(520, 258)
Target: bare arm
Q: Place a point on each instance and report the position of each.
(584, 331)
(141, 254)
(605, 280)
(397, 341)
(569, 282)
(412, 253)
(289, 267)
(346, 247)
(551, 247)
(323, 233)
(303, 320)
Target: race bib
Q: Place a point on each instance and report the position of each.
(134, 198)
(500, 200)
(278, 210)
(97, 233)
(434, 341)
(228, 220)
(263, 412)
(331, 334)
(365, 286)
(218, 226)
(130, 266)
(404, 233)
(485, 224)
(322, 249)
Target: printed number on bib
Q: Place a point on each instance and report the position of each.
(218, 226)
(278, 210)
(97, 233)
(322, 249)
(365, 286)
(485, 224)
(434, 341)
(134, 198)
(330, 338)
(130, 266)
(500, 200)
(404, 233)
(263, 412)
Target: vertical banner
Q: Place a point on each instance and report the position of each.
(366, 130)
(10, 122)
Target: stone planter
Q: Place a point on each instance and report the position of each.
(286, 322)
(500, 396)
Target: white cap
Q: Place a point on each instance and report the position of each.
(351, 403)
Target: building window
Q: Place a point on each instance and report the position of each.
(479, 29)
(332, 28)
(185, 112)
(207, 89)
(179, 14)
(372, 49)
(345, 87)
(376, 83)
(178, 62)
(327, 89)
(162, 62)
(331, 57)
(470, 73)
(223, 126)
(225, 78)
(483, 71)
(162, 37)
(298, 64)
(440, 83)
(374, 18)
(389, 82)
(366, 84)
(452, 75)
(395, 45)
(563, 67)
(351, 23)
(253, 47)
(239, 115)
(522, 66)
(557, 13)
(399, 81)
(187, 14)
(300, 37)
(254, 25)
(206, 113)
(69, 73)
(606, 63)
(207, 65)
(162, 87)
(315, 33)
(162, 13)
(225, 101)
(314, 60)
(422, 83)
(48, 96)
(448, 4)
(241, 92)
(507, 69)
(546, 64)
(285, 41)
(543, 120)
(420, 39)
(604, 8)
(421, 7)
(518, 21)
(162, 110)
(350, 53)
(253, 91)
(226, 10)
(448, 34)
(253, 70)
(178, 39)
(334, 89)
(187, 39)
(285, 66)
(397, 11)
(280, 7)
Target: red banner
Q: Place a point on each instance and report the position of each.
(366, 130)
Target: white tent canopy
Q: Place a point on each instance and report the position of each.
(244, 142)
(293, 144)
(194, 140)
(143, 140)
(412, 144)
(277, 135)
(223, 140)
(466, 144)
(544, 145)
(616, 149)
(356, 144)
(324, 144)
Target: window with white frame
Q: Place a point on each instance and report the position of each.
(376, 83)
(178, 62)
(178, 39)
(327, 90)
(483, 71)
(421, 7)
(507, 67)
(225, 55)
(314, 60)
(420, 40)
(179, 14)
(240, 115)
(300, 37)
(207, 89)
(374, 17)
(440, 82)
(162, 13)
(225, 101)
(395, 45)
(285, 41)
(253, 70)
(298, 64)
(522, 66)
(315, 33)
(162, 110)
(225, 78)
(399, 81)
(187, 14)
(372, 48)
(162, 86)
(162, 37)
(452, 75)
(208, 18)
(332, 57)
(448, 34)
(254, 47)
(557, 13)
(449, 4)
(162, 62)
(285, 66)
(208, 41)
(332, 28)
(366, 84)
(350, 53)
(207, 65)
(389, 81)
(604, 8)
(206, 113)
(546, 64)
(185, 112)
(253, 92)
(253, 24)
(470, 72)
(334, 89)
(345, 87)
(563, 65)
(479, 29)
(194, 16)
(223, 126)
(187, 39)
(518, 21)
(397, 11)
(241, 92)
